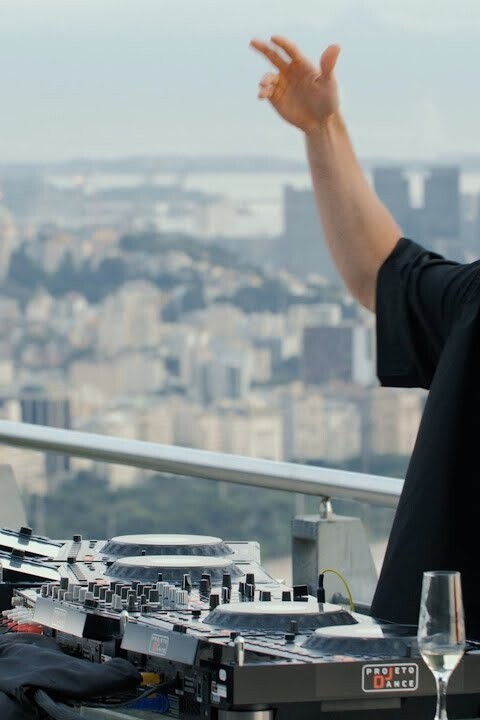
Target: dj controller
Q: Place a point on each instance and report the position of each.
(222, 638)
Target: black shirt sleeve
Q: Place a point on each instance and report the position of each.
(419, 297)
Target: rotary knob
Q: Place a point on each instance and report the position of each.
(181, 599)
(132, 603)
(227, 580)
(153, 597)
(208, 578)
(214, 601)
(250, 591)
(172, 590)
(124, 590)
(204, 588)
(187, 582)
(117, 603)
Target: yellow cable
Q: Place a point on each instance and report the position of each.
(150, 678)
(339, 575)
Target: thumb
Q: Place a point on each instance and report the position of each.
(329, 60)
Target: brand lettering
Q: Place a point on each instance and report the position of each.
(390, 677)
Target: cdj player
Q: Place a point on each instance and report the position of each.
(222, 639)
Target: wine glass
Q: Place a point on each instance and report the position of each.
(441, 630)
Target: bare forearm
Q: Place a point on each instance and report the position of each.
(359, 230)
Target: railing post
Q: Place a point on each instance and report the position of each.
(326, 510)
(332, 541)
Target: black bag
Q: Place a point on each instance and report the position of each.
(31, 662)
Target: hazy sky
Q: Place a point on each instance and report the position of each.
(106, 78)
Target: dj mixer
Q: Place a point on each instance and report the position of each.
(220, 637)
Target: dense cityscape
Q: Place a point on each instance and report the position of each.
(142, 304)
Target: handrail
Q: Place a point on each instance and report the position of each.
(292, 477)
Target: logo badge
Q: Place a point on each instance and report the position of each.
(158, 645)
(58, 618)
(390, 677)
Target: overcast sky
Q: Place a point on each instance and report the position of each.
(85, 78)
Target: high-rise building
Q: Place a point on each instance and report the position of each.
(441, 217)
(40, 406)
(395, 419)
(226, 376)
(253, 432)
(392, 188)
(304, 250)
(317, 427)
(475, 242)
(343, 352)
(8, 236)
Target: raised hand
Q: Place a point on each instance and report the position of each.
(303, 94)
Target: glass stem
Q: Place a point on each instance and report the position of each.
(442, 683)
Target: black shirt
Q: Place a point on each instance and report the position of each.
(428, 335)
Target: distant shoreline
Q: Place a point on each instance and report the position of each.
(215, 164)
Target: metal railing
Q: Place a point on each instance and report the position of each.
(292, 477)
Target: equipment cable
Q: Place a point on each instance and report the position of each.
(53, 709)
(151, 691)
(341, 577)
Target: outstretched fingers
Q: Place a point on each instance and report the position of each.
(271, 54)
(289, 47)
